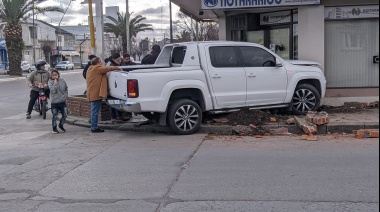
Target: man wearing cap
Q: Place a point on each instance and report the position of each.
(41, 75)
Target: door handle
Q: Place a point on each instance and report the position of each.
(217, 76)
(252, 75)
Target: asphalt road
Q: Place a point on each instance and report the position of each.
(121, 171)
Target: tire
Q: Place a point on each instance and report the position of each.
(67, 68)
(306, 98)
(44, 109)
(184, 117)
(72, 68)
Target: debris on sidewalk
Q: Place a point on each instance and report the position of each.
(280, 131)
(307, 127)
(372, 133)
(320, 118)
(361, 105)
(291, 121)
(309, 138)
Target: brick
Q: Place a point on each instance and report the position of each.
(307, 127)
(321, 118)
(273, 119)
(359, 134)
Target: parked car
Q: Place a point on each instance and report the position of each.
(65, 65)
(190, 79)
(25, 66)
(84, 64)
(47, 66)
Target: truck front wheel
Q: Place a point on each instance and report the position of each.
(184, 117)
(306, 98)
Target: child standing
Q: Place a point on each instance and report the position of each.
(58, 96)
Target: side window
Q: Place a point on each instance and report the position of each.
(223, 57)
(178, 55)
(257, 57)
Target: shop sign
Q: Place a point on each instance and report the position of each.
(278, 18)
(232, 4)
(353, 12)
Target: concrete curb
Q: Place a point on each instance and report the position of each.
(225, 129)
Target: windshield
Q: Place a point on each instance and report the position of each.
(63, 62)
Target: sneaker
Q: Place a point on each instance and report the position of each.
(55, 131)
(62, 129)
(28, 116)
(97, 131)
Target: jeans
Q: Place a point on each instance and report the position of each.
(33, 98)
(95, 110)
(61, 107)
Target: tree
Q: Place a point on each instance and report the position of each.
(199, 31)
(13, 12)
(118, 27)
(184, 36)
(47, 46)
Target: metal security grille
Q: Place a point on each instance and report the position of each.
(350, 48)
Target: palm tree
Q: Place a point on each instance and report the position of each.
(13, 12)
(118, 27)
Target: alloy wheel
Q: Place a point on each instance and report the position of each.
(304, 100)
(186, 118)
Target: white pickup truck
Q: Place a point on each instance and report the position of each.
(189, 79)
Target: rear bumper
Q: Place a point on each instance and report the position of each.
(127, 106)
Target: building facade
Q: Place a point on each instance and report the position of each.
(342, 35)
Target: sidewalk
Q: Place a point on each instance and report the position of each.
(339, 123)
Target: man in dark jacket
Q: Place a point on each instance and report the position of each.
(151, 58)
(127, 60)
(90, 57)
(115, 60)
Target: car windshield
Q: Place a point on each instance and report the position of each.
(63, 62)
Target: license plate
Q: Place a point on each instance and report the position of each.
(114, 102)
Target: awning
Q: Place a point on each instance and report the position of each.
(66, 53)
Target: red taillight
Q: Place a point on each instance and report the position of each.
(133, 89)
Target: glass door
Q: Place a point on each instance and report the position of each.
(280, 42)
(256, 37)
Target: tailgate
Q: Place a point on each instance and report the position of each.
(117, 84)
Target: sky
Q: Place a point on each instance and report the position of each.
(156, 12)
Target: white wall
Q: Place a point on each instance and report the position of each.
(222, 28)
(312, 34)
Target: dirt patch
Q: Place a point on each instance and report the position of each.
(248, 118)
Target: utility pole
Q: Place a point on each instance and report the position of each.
(171, 22)
(34, 38)
(127, 15)
(99, 29)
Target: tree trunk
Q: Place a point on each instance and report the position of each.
(15, 44)
(125, 46)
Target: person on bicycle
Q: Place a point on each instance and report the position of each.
(41, 75)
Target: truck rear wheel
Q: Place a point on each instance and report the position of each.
(306, 98)
(185, 117)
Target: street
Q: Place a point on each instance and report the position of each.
(135, 172)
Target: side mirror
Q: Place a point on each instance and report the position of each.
(279, 63)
